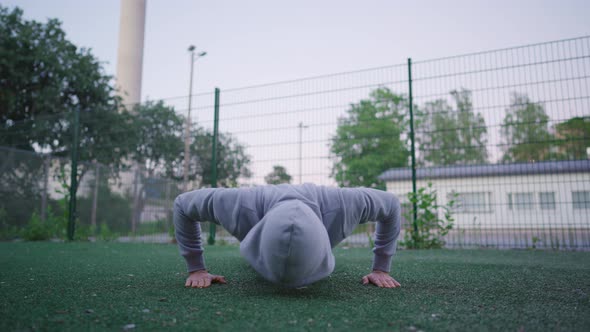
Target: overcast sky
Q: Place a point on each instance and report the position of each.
(256, 42)
(253, 42)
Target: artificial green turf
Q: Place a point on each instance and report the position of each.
(105, 286)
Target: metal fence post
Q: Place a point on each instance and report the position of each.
(211, 239)
(46, 162)
(95, 197)
(169, 211)
(74, 176)
(413, 149)
(136, 193)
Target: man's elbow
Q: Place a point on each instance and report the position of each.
(395, 205)
(178, 205)
(178, 200)
(396, 210)
(395, 202)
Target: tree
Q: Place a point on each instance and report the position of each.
(43, 74)
(369, 140)
(20, 186)
(278, 175)
(158, 145)
(158, 134)
(574, 138)
(525, 131)
(452, 136)
(232, 160)
(44, 78)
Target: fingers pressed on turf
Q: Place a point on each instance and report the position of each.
(187, 283)
(194, 284)
(365, 280)
(378, 283)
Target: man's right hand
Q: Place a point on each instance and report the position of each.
(203, 279)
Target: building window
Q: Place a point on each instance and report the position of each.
(547, 200)
(521, 201)
(471, 202)
(581, 200)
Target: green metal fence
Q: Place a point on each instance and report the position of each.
(126, 205)
(505, 134)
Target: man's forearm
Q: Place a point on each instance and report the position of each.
(381, 263)
(365, 205)
(188, 236)
(386, 234)
(385, 245)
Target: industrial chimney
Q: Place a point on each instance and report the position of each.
(130, 55)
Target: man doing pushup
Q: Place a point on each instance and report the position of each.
(287, 232)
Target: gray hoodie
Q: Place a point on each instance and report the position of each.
(287, 232)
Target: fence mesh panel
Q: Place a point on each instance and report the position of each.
(507, 131)
(504, 134)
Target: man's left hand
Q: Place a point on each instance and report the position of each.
(380, 279)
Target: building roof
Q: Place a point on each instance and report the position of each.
(542, 167)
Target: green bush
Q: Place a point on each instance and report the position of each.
(83, 232)
(7, 232)
(105, 234)
(430, 228)
(58, 219)
(55, 226)
(113, 209)
(37, 230)
(154, 227)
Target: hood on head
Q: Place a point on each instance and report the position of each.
(289, 246)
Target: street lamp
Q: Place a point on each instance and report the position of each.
(301, 127)
(191, 49)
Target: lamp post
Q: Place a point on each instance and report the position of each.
(301, 127)
(191, 49)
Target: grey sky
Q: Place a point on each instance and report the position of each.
(256, 42)
(252, 42)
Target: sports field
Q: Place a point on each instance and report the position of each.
(114, 286)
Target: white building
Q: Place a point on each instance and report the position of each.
(526, 203)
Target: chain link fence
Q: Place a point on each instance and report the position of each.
(503, 134)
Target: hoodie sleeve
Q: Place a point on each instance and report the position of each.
(189, 209)
(383, 208)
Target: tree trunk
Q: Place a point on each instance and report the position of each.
(46, 162)
(95, 197)
(135, 199)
